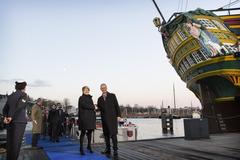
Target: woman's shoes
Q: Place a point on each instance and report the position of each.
(90, 149)
(82, 152)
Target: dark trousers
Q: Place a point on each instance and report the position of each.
(35, 138)
(55, 132)
(114, 141)
(89, 137)
(15, 134)
(45, 129)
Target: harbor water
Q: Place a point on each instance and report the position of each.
(151, 128)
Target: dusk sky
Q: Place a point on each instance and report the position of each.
(58, 46)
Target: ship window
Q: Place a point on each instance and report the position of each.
(174, 45)
(170, 48)
(193, 59)
(207, 23)
(183, 67)
(231, 48)
(182, 35)
(197, 57)
(221, 35)
(186, 64)
(190, 60)
(177, 39)
(181, 71)
(204, 53)
(220, 25)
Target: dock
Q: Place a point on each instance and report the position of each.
(218, 147)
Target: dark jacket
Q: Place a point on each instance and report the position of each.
(86, 113)
(54, 117)
(16, 107)
(61, 115)
(109, 110)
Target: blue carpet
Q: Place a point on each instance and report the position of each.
(65, 150)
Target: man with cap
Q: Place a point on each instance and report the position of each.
(15, 118)
(36, 116)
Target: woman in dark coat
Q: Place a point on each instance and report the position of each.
(87, 118)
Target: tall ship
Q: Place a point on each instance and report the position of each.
(204, 49)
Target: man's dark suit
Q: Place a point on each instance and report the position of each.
(109, 110)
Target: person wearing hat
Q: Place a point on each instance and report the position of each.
(36, 116)
(15, 118)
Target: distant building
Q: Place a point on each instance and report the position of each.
(185, 112)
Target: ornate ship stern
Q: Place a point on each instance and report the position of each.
(205, 54)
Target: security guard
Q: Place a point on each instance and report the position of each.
(15, 118)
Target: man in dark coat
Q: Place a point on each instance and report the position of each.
(61, 119)
(15, 118)
(110, 114)
(45, 122)
(54, 121)
(50, 114)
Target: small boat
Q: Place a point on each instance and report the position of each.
(127, 131)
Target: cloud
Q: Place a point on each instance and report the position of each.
(39, 83)
(35, 83)
(10, 80)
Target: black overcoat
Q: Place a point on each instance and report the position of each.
(86, 113)
(109, 110)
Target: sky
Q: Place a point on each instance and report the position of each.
(58, 46)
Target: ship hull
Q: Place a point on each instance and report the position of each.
(222, 116)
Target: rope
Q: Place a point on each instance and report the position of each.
(178, 5)
(181, 5)
(230, 4)
(186, 5)
(232, 117)
(226, 118)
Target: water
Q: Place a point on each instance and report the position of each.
(150, 128)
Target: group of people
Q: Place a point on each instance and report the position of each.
(45, 122)
(15, 120)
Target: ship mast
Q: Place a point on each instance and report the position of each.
(174, 96)
(155, 4)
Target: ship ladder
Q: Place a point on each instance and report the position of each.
(221, 123)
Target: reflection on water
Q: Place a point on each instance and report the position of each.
(150, 128)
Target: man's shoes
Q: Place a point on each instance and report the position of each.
(82, 152)
(90, 149)
(106, 151)
(36, 148)
(115, 155)
(57, 141)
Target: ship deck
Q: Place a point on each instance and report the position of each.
(218, 147)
